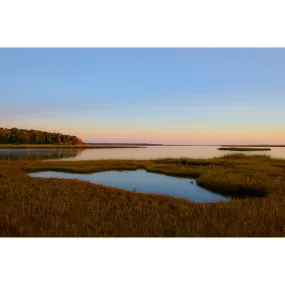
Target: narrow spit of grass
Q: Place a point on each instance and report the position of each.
(66, 207)
(44, 146)
(257, 145)
(244, 148)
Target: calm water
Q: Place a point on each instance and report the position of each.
(143, 182)
(30, 154)
(151, 152)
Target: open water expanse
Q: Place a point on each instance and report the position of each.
(150, 152)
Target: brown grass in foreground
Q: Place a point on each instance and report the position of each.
(64, 207)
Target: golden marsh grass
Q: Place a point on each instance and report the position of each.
(38, 207)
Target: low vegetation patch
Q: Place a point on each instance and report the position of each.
(69, 207)
(244, 148)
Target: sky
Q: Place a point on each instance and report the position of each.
(155, 95)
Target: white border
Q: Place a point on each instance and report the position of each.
(142, 23)
(142, 261)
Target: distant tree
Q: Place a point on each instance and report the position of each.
(58, 140)
(4, 139)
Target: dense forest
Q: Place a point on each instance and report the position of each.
(22, 136)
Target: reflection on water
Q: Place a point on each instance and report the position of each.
(151, 152)
(143, 182)
(33, 154)
(155, 152)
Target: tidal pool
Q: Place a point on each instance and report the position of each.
(143, 182)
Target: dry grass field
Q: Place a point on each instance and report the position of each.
(49, 207)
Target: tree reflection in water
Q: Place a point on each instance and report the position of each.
(34, 154)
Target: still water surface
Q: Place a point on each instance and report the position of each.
(143, 182)
(33, 154)
(151, 152)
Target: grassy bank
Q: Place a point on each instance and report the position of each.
(64, 207)
(46, 146)
(255, 145)
(244, 149)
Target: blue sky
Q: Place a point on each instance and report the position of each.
(195, 96)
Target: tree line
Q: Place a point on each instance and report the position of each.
(22, 136)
